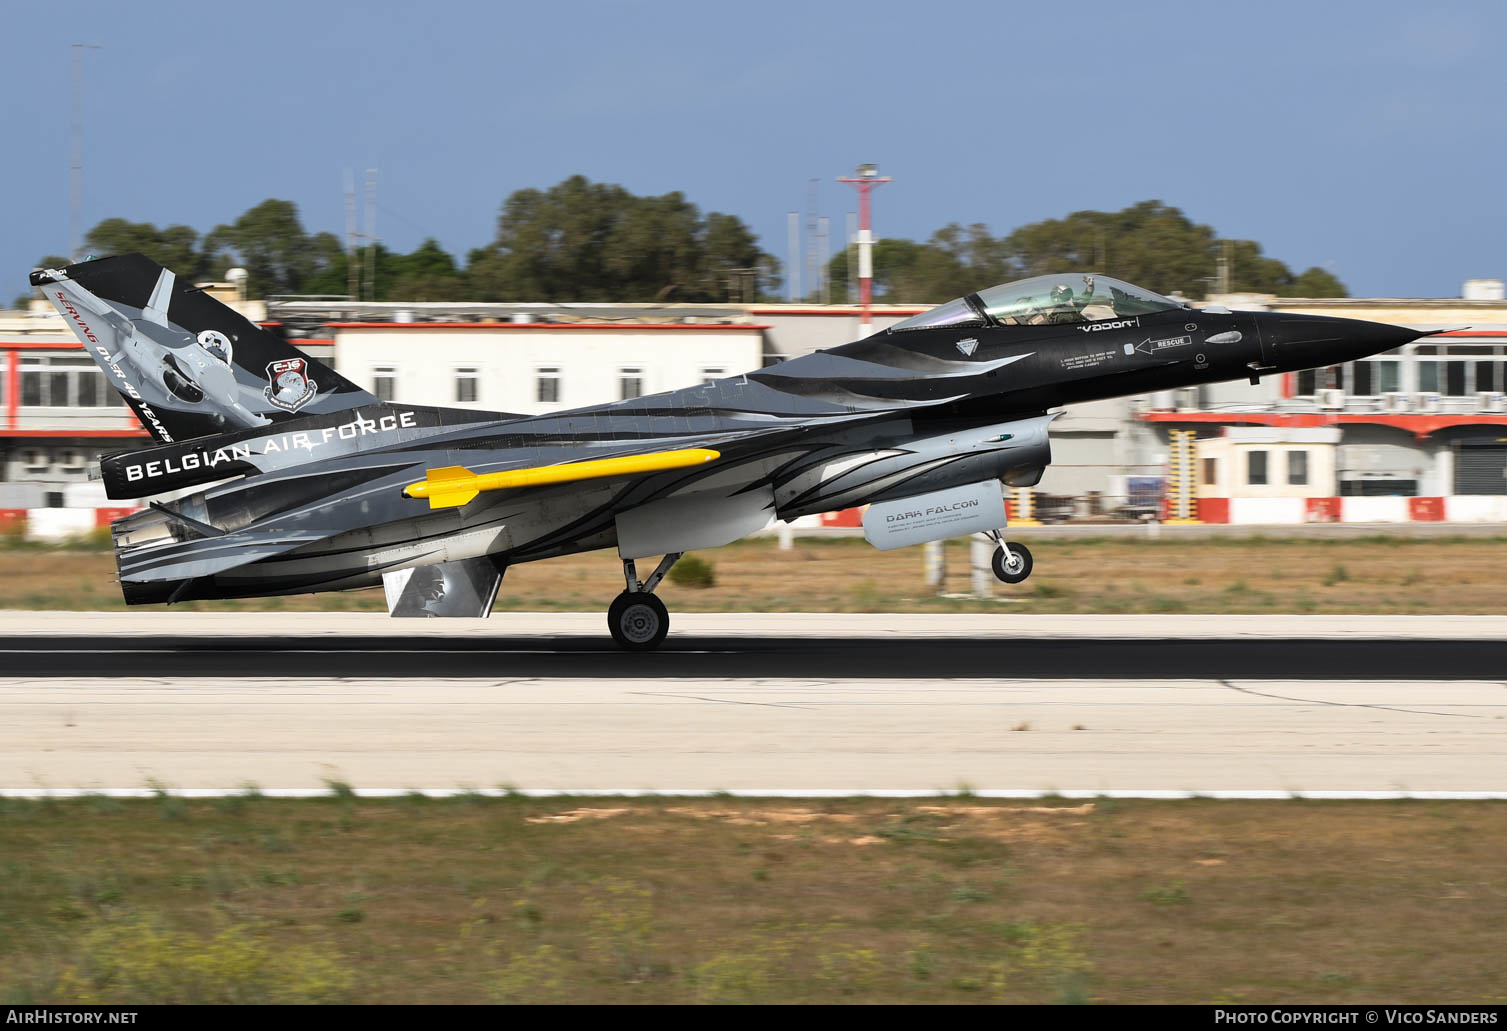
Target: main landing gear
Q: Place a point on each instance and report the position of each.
(638, 620)
(1012, 559)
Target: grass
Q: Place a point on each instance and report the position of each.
(1310, 575)
(718, 900)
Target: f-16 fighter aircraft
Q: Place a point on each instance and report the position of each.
(312, 484)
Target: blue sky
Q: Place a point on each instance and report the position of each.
(1365, 137)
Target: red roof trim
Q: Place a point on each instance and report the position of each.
(133, 432)
(1418, 424)
(41, 345)
(897, 312)
(74, 345)
(714, 327)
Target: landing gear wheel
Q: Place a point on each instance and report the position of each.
(1017, 567)
(638, 620)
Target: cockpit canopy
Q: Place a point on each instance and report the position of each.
(1043, 300)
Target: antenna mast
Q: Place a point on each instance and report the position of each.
(864, 181)
(76, 158)
(352, 258)
(371, 234)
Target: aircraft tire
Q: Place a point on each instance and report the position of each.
(638, 621)
(1012, 572)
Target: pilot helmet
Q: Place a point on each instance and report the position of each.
(1062, 294)
(216, 343)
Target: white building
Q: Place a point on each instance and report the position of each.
(538, 367)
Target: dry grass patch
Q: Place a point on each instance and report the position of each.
(1121, 574)
(734, 900)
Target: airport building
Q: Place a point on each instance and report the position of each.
(1425, 422)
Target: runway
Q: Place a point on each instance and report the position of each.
(753, 702)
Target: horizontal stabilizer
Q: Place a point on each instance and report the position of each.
(456, 485)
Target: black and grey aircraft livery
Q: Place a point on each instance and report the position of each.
(287, 478)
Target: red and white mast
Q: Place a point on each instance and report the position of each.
(864, 181)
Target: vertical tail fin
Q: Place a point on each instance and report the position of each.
(186, 364)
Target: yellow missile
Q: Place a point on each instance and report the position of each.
(456, 485)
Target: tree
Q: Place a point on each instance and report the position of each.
(1150, 244)
(735, 267)
(270, 244)
(330, 267)
(176, 247)
(428, 274)
(955, 261)
(588, 241)
(1315, 282)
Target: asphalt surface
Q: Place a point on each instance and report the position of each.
(751, 702)
(867, 658)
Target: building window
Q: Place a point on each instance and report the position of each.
(1307, 382)
(384, 382)
(547, 391)
(1486, 378)
(1297, 468)
(33, 382)
(630, 383)
(711, 375)
(1428, 376)
(63, 381)
(35, 460)
(1361, 379)
(1388, 380)
(1454, 379)
(1255, 469)
(465, 385)
(1211, 470)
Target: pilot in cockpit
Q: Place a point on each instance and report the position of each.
(1061, 307)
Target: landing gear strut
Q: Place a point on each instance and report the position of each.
(637, 619)
(1012, 559)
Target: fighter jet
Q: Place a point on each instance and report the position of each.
(325, 487)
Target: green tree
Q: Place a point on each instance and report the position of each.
(955, 261)
(737, 265)
(269, 242)
(1315, 282)
(330, 267)
(1151, 244)
(427, 274)
(588, 241)
(176, 247)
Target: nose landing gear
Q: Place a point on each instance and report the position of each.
(1012, 560)
(637, 619)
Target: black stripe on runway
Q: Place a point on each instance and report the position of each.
(746, 657)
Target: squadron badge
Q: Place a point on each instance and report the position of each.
(288, 384)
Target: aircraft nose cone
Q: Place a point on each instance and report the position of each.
(1313, 340)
